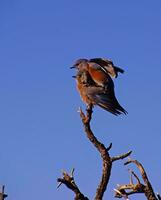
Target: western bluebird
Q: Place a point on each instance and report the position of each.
(94, 93)
(105, 65)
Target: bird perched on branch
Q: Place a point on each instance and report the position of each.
(96, 86)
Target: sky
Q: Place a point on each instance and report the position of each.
(40, 128)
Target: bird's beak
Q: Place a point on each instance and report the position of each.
(73, 67)
(74, 76)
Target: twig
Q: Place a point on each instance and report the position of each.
(122, 156)
(131, 188)
(109, 147)
(120, 195)
(2, 194)
(68, 180)
(159, 197)
(137, 178)
(148, 190)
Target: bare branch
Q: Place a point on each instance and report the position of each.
(131, 177)
(107, 164)
(137, 178)
(129, 189)
(118, 194)
(109, 147)
(122, 156)
(158, 196)
(2, 193)
(125, 190)
(68, 181)
(148, 190)
(107, 160)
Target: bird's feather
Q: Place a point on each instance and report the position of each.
(106, 100)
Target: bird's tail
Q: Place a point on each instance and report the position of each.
(110, 104)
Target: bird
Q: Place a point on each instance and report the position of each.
(98, 74)
(96, 87)
(99, 69)
(105, 65)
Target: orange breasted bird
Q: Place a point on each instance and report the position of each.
(105, 65)
(96, 87)
(99, 69)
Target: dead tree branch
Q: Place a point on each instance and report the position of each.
(107, 164)
(2, 193)
(122, 156)
(131, 188)
(158, 196)
(107, 160)
(68, 180)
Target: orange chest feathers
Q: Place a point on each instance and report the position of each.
(83, 91)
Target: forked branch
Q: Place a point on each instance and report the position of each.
(131, 188)
(68, 180)
(104, 152)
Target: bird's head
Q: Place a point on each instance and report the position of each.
(80, 64)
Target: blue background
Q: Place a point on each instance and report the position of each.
(40, 129)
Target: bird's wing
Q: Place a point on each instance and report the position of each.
(101, 61)
(105, 99)
(108, 65)
(97, 66)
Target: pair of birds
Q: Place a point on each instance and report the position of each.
(95, 84)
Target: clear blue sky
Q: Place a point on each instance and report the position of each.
(41, 132)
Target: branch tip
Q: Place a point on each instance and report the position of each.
(59, 184)
(109, 147)
(122, 156)
(132, 188)
(158, 196)
(72, 172)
